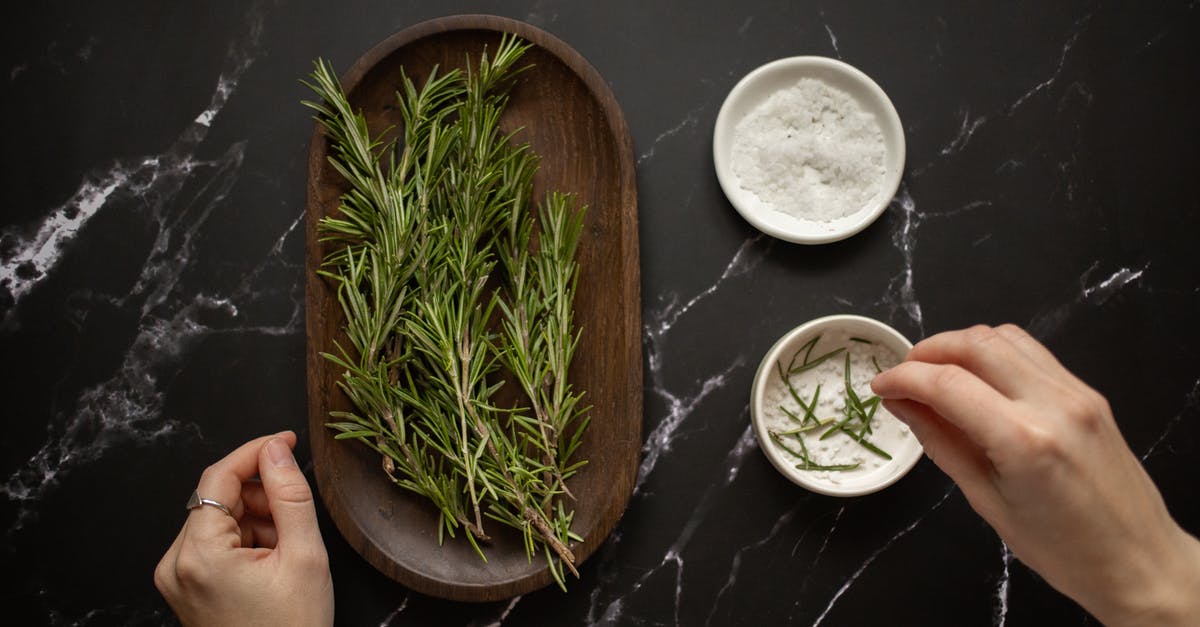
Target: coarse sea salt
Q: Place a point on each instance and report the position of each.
(810, 151)
(887, 432)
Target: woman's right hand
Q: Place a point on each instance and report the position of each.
(1038, 455)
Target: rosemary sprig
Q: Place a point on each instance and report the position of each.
(804, 429)
(856, 409)
(539, 330)
(809, 365)
(858, 437)
(427, 222)
(805, 463)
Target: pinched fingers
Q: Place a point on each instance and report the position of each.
(944, 443)
(292, 508)
(964, 400)
(254, 498)
(985, 352)
(258, 532)
(951, 450)
(223, 482)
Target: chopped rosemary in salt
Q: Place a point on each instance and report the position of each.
(834, 434)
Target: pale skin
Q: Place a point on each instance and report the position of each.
(1038, 455)
(266, 564)
(1035, 451)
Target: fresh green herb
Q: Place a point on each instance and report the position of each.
(806, 464)
(431, 219)
(808, 348)
(809, 365)
(805, 428)
(858, 437)
(808, 411)
(792, 390)
(812, 466)
(851, 396)
(856, 409)
(839, 426)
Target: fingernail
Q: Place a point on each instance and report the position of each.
(279, 453)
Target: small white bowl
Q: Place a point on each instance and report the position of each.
(759, 85)
(904, 456)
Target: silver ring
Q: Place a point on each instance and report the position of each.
(197, 501)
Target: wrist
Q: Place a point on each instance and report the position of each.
(1170, 590)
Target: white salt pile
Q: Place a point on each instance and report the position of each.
(810, 151)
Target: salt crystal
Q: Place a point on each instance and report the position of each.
(810, 151)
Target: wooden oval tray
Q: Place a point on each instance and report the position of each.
(571, 119)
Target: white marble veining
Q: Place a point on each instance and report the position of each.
(681, 405)
(1100, 292)
(184, 192)
(1058, 67)
(745, 26)
(504, 612)
(965, 132)
(969, 125)
(1190, 406)
(1000, 596)
(127, 406)
(673, 555)
(902, 294)
(746, 259)
(387, 620)
(688, 124)
(537, 14)
(901, 297)
(735, 565)
(874, 555)
(812, 566)
(36, 255)
(1089, 294)
(833, 40)
(117, 614)
(39, 252)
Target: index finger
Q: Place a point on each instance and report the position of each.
(987, 353)
(956, 394)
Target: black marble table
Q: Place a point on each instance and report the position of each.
(151, 266)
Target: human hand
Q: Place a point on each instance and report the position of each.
(265, 564)
(1038, 455)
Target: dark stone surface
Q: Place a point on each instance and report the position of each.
(154, 153)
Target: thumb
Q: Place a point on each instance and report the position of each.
(289, 499)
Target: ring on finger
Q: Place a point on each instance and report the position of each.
(197, 501)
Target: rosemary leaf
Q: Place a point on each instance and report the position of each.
(428, 220)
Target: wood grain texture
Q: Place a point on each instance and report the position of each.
(571, 119)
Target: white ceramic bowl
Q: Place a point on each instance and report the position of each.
(904, 455)
(755, 88)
